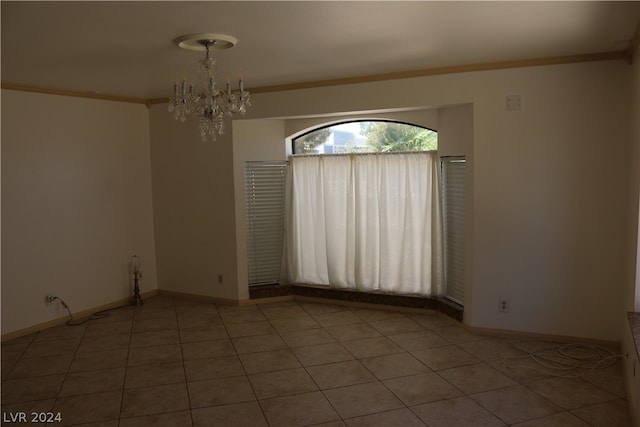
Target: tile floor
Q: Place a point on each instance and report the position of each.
(181, 363)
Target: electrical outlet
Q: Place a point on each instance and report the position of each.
(220, 278)
(504, 305)
(514, 102)
(49, 299)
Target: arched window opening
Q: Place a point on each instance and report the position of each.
(366, 136)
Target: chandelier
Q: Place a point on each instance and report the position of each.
(202, 98)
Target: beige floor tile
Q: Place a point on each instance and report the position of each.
(203, 334)
(446, 357)
(96, 329)
(155, 354)
(104, 343)
(248, 329)
(236, 315)
(340, 374)
(423, 388)
(609, 414)
(321, 354)
(337, 318)
(61, 347)
(563, 419)
(457, 334)
(61, 332)
(117, 315)
(457, 412)
(338, 423)
(267, 361)
(371, 347)
(151, 338)
(220, 391)
(38, 366)
(375, 366)
(193, 305)
(6, 367)
(352, 332)
(258, 343)
(13, 350)
(28, 389)
(476, 378)
(432, 320)
(99, 360)
(158, 301)
(173, 419)
(488, 349)
(395, 418)
(397, 326)
(152, 375)
(523, 370)
(281, 311)
(298, 410)
(88, 408)
(147, 312)
(212, 368)
(200, 321)
(246, 414)
(154, 400)
(515, 404)
(207, 349)
(321, 308)
(394, 365)
(372, 315)
(154, 324)
(282, 383)
(86, 382)
(570, 393)
(421, 340)
(610, 379)
(362, 399)
(305, 338)
(298, 323)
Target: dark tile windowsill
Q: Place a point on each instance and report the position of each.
(447, 307)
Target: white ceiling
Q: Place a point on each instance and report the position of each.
(126, 48)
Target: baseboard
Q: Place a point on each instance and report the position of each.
(506, 333)
(199, 298)
(79, 315)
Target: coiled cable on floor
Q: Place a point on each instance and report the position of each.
(566, 360)
(72, 322)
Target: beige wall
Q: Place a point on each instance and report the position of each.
(550, 204)
(76, 204)
(193, 207)
(550, 218)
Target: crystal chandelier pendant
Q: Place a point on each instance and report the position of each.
(202, 98)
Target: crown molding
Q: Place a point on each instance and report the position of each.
(626, 55)
(77, 94)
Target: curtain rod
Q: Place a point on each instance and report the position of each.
(364, 154)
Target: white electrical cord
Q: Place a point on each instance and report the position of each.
(565, 360)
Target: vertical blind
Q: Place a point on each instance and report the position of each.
(264, 198)
(453, 195)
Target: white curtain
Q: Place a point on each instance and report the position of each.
(370, 222)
